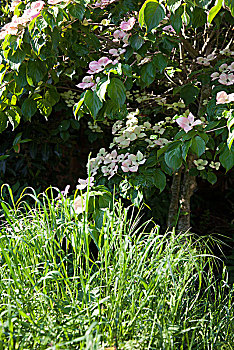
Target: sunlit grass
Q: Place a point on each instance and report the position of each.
(142, 290)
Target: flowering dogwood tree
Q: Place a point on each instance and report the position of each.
(160, 72)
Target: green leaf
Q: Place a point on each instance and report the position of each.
(117, 92)
(136, 197)
(44, 107)
(151, 161)
(101, 89)
(230, 125)
(151, 14)
(77, 11)
(148, 72)
(230, 4)
(160, 179)
(136, 41)
(4, 157)
(64, 126)
(16, 59)
(211, 177)
(227, 158)
(36, 70)
(3, 121)
(189, 93)
(105, 200)
(14, 118)
(75, 124)
(160, 61)
(176, 20)
(185, 148)
(92, 102)
(173, 158)
(49, 18)
(198, 17)
(64, 135)
(29, 108)
(198, 146)
(214, 10)
(77, 107)
(52, 96)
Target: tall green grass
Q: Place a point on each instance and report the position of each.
(143, 290)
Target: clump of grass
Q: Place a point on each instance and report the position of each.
(144, 290)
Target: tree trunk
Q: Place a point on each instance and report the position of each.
(174, 203)
(187, 188)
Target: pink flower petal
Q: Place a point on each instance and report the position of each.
(85, 85)
(134, 168)
(104, 61)
(187, 128)
(197, 122)
(128, 25)
(182, 122)
(191, 118)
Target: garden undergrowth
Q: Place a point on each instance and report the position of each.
(143, 289)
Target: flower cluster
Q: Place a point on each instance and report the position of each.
(128, 25)
(95, 67)
(120, 34)
(214, 165)
(110, 163)
(152, 142)
(57, 2)
(88, 82)
(14, 4)
(130, 132)
(69, 97)
(175, 105)
(226, 52)
(103, 3)
(205, 61)
(222, 97)
(187, 122)
(18, 23)
(169, 29)
(202, 163)
(85, 183)
(116, 52)
(94, 127)
(225, 75)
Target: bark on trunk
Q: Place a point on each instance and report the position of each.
(174, 203)
(187, 188)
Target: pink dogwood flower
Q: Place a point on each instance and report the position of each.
(10, 28)
(14, 4)
(56, 2)
(188, 123)
(214, 76)
(115, 52)
(169, 29)
(84, 183)
(204, 61)
(63, 193)
(98, 66)
(128, 25)
(87, 82)
(226, 79)
(103, 3)
(222, 97)
(3, 34)
(79, 205)
(119, 34)
(37, 5)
